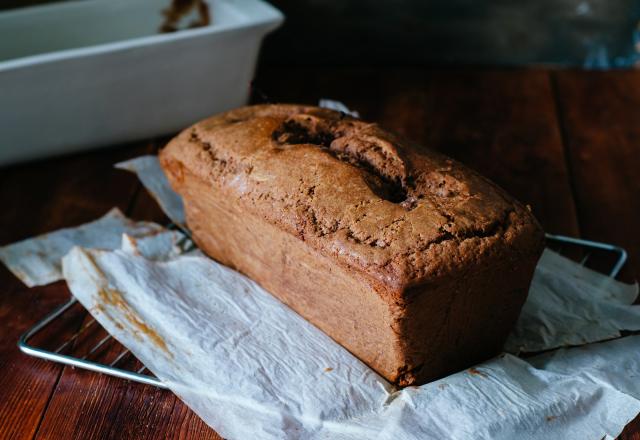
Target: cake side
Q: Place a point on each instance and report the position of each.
(344, 304)
(464, 318)
(376, 204)
(436, 329)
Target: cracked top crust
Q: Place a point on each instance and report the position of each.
(401, 214)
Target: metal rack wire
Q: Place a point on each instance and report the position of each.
(84, 362)
(112, 368)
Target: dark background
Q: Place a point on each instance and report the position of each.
(588, 33)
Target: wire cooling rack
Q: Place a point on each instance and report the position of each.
(92, 348)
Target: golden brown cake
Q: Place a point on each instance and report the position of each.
(414, 263)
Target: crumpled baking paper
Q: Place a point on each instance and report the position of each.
(337, 106)
(279, 372)
(36, 261)
(148, 170)
(252, 368)
(569, 304)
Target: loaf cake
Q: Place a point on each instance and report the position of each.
(414, 263)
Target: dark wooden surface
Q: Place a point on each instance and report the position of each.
(565, 142)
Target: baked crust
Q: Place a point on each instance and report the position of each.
(405, 221)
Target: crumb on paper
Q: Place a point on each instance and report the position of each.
(475, 372)
(551, 418)
(328, 369)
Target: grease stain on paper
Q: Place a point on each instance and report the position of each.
(114, 298)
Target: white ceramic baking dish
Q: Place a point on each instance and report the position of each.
(89, 73)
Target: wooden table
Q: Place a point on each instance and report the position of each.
(566, 142)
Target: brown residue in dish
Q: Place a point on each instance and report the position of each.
(179, 9)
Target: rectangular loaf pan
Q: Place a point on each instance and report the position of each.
(90, 73)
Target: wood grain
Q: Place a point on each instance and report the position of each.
(87, 405)
(37, 198)
(601, 119)
(94, 406)
(501, 123)
(26, 383)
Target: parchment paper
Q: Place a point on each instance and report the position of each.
(150, 174)
(569, 304)
(36, 261)
(252, 368)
